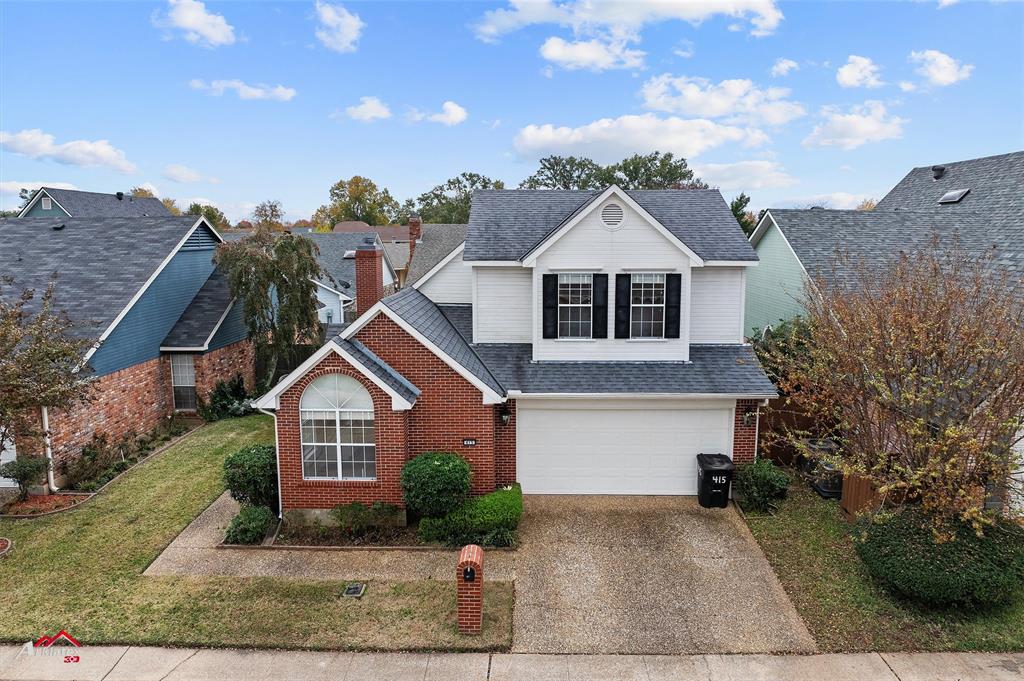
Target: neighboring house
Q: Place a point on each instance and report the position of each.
(437, 243)
(979, 202)
(336, 292)
(50, 202)
(146, 290)
(402, 243)
(595, 347)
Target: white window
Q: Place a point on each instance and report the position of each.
(47, 203)
(647, 306)
(575, 295)
(183, 382)
(338, 441)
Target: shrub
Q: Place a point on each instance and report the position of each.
(26, 471)
(228, 398)
(102, 459)
(250, 474)
(250, 525)
(358, 519)
(435, 483)
(490, 520)
(761, 485)
(900, 551)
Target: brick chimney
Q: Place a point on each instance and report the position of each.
(415, 233)
(369, 277)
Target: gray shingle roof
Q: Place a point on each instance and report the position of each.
(96, 205)
(996, 184)
(507, 224)
(712, 370)
(101, 263)
(397, 252)
(437, 242)
(380, 369)
(423, 315)
(202, 316)
(333, 246)
(878, 237)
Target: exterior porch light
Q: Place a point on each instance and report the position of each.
(505, 413)
(748, 415)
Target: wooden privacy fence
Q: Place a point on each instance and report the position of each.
(858, 495)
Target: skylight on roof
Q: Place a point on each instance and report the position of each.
(349, 255)
(954, 196)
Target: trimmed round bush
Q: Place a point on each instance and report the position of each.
(435, 483)
(761, 484)
(251, 476)
(900, 551)
(250, 525)
(490, 520)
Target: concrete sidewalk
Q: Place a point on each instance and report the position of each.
(122, 663)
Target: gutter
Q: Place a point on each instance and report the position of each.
(277, 461)
(49, 451)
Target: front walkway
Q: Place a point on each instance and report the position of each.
(119, 663)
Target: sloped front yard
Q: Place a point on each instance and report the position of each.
(807, 543)
(82, 571)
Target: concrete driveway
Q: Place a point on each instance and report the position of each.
(646, 575)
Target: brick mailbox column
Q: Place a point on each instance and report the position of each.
(469, 578)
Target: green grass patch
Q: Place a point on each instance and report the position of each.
(82, 571)
(808, 544)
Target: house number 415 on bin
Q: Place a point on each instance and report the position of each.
(718, 479)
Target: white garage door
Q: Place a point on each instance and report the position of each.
(615, 448)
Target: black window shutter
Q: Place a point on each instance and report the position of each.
(673, 300)
(622, 282)
(550, 306)
(599, 307)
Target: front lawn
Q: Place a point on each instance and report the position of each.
(82, 571)
(807, 544)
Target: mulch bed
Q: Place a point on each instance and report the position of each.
(37, 504)
(304, 535)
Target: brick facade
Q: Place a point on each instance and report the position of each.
(744, 439)
(469, 595)
(225, 363)
(369, 278)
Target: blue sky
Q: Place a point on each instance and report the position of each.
(234, 103)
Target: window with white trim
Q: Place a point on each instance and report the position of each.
(575, 297)
(47, 203)
(647, 305)
(183, 382)
(337, 433)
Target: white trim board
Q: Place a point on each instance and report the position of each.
(35, 199)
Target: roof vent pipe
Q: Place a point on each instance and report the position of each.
(938, 172)
(59, 227)
(120, 196)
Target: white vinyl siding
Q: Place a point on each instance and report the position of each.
(717, 305)
(453, 283)
(638, 446)
(632, 246)
(502, 311)
(332, 304)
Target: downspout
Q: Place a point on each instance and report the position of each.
(277, 460)
(49, 451)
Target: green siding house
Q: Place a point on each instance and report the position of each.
(775, 287)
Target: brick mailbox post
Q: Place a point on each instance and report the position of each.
(469, 579)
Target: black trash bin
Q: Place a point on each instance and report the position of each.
(714, 475)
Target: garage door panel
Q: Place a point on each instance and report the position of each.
(616, 451)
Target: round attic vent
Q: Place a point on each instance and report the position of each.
(612, 215)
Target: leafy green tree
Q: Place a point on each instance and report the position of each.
(272, 273)
(449, 202)
(746, 218)
(142, 193)
(212, 214)
(564, 172)
(651, 171)
(358, 198)
(269, 214)
(171, 205)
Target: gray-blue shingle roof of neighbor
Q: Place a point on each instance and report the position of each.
(507, 224)
(97, 204)
(101, 263)
(333, 246)
(202, 316)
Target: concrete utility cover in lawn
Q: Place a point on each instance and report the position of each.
(646, 574)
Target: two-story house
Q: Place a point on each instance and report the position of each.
(577, 342)
(51, 202)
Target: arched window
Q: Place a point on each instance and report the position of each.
(337, 430)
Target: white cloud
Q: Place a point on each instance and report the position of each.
(610, 139)
(863, 123)
(594, 54)
(13, 187)
(858, 72)
(217, 88)
(198, 25)
(685, 49)
(547, 72)
(149, 186)
(450, 114)
(940, 69)
(623, 17)
(368, 109)
(835, 200)
(338, 29)
(745, 175)
(180, 173)
(782, 67)
(40, 145)
(738, 100)
(907, 86)
(943, 4)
